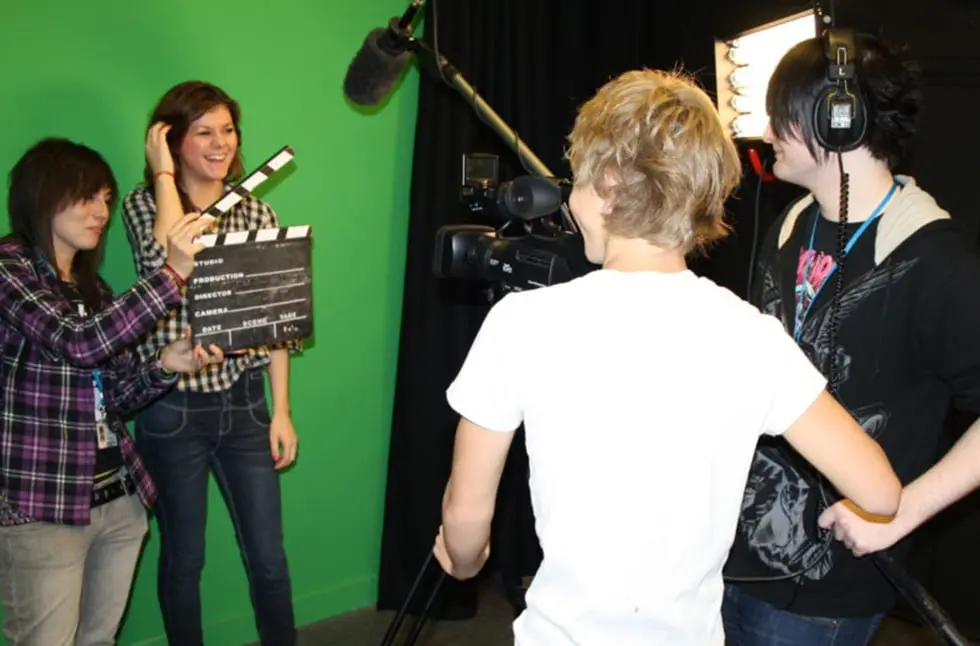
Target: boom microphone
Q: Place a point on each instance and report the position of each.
(381, 59)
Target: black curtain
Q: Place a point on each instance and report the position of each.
(535, 62)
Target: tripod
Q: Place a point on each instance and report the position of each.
(396, 623)
(510, 513)
(923, 602)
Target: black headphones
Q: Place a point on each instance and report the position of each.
(840, 116)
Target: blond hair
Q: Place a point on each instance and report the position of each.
(653, 142)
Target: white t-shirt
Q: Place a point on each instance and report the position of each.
(643, 396)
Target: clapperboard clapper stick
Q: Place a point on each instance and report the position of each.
(249, 184)
(252, 288)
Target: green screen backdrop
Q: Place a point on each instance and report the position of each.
(92, 72)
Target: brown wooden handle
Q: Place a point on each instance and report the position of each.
(871, 518)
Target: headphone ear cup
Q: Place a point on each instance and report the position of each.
(821, 120)
(834, 139)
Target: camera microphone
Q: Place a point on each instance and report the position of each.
(530, 197)
(381, 60)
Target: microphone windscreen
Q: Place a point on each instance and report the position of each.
(373, 71)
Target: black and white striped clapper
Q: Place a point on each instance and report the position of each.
(252, 288)
(243, 188)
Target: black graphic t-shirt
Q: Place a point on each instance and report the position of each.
(907, 340)
(817, 266)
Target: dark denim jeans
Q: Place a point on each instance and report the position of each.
(184, 436)
(752, 622)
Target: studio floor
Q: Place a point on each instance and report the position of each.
(492, 627)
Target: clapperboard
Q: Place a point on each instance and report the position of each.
(252, 288)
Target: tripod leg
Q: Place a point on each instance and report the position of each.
(417, 630)
(396, 623)
(921, 600)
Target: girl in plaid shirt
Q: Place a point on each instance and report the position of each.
(216, 420)
(72, 488)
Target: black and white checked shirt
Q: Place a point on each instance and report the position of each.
(139, 213)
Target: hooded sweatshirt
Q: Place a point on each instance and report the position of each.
(909, 345)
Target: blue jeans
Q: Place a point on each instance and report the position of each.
(182, 437)
(752, 622)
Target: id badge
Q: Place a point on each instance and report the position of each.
(106, 436)
(99, 391)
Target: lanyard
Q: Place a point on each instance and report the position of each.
(800, 314)
(96, 373)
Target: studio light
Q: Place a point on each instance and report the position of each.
(744, 64)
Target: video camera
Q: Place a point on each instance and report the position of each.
(530, 250)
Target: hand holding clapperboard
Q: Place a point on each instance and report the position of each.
(252, 288)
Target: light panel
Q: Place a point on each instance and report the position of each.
(743, 66)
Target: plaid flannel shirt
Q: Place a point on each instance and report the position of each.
(139, 214)
(48, 438)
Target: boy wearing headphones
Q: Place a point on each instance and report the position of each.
(644, 401)
(868, 275)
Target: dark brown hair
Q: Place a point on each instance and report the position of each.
(51, 176)
(184, 104)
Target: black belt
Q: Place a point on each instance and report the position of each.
(109, 492)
